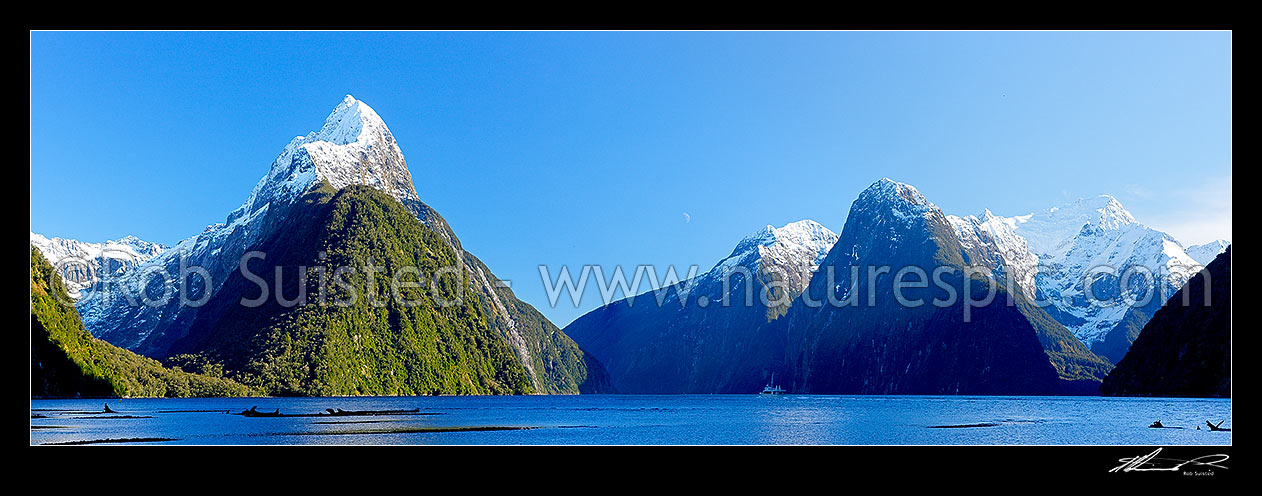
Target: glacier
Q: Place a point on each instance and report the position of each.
(1092, 243)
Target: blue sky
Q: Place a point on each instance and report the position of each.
(588, 148)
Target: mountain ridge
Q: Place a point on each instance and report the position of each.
(1184, 350)
(736, 350)
(698, 347)
(1070, 241)
(67, 361)
(352, 148)
(82, 263)
(875, 346)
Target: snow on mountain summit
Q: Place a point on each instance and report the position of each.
(347, 121)
(806, 234)
(81, 263)
(997, 235)
(1048, 231)
(888, 189)
(1076, 241)
(353, 146)
(798, 250)
(1204, 254)
(1050, 254)
(793, 252)
(889, 197)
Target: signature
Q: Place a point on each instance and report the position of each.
(1151, 463)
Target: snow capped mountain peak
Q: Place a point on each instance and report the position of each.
(793, 251)
(1049, 231)
(888, 196)
(347, 122)
(888, 189)
(995, 236)
(1096, 209)
(81, 263)
(1076, 240)
(803, 235)
(1109, 213)
(353, 146)
(129, 247)
(1204, 254)
(807, 233)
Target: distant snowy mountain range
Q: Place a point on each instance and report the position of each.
(1052, 253)
(1204, 254)
(1048, 255)
(82, 263)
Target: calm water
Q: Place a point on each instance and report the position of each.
(629, 419)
